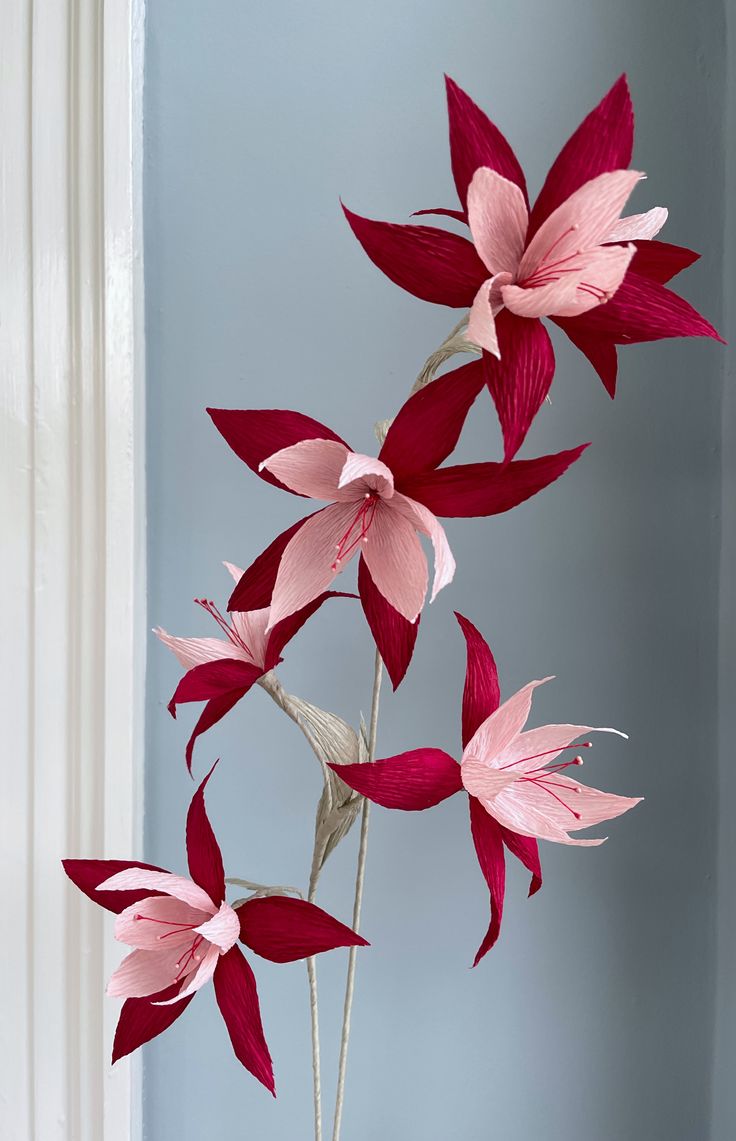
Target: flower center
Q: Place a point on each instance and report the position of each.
(229, 631)
(543, 776)
(357, 532)
(190, 954)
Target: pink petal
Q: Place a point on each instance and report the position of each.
(411, 781)
(469, 490)
(87, 875)
(196, 651)
(481, 779)
(235, 572)
(525, 849)
(497, 217)
(237, 998)
(418, 515)
(600, 351)
(256, 434)
(481, 694)
(157, 922)
(521, 379)
(582, 222)
(393, 634)
(395, 558)
(638, 226)
(661, 261)
(310, 468)
(250, 626)
(487, 838)
(196, 979)
(140, 1021)
(434, 265)
(475, 141)
(222, 929)
(542, 300)
(481, 322)
(603, 141)
(644, 310)
(496, 733)
(179, 887)
(605, 269)
(362, 474)
(284, 930)
(426, 429)
(144, 973)
(551, 810)
(255, 588)
(203, 852)
(307, 565)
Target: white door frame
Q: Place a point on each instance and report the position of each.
(72, 498)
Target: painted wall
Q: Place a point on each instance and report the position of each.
(593, 1017)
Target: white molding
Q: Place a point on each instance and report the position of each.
(71, 492)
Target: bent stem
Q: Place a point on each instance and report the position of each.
(357, 906)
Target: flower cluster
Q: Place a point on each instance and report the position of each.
(573, 257)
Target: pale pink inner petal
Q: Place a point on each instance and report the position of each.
(319, 550)
(157, 923)
(498, 218)
(424, 521)
(497, 732)
(192, 652)
(222, 929)
(364, 474)
(145, 972)
(540, 301)
(205, 969)
(553, 803)
(251, 626)
(578, 225)
(638, 226)
(481, 323)
(236, 572)
(483, 780)
(311, 467)
(396, 560)
(135, 879)
(515, 811)
(604, 271)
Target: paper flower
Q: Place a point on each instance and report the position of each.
(516, 779)
(376, 506)
(184, 933)
(571, 257)
(221, 670)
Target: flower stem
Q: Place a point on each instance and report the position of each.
(357, 906)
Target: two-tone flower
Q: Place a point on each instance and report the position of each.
(570, 257)
(184, 933)
(376, 507)
(518, 781)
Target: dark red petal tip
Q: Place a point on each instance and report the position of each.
(203, 851)
(283, 929)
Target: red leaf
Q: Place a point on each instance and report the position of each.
(283, 929)
(660, 261)
(203, 851)
(411, 781)
(526, 849)
(600, 351)
(520, 380)
(489, 850)
(237, 998)
(87, 874)
(644, 310)
(603, 141)
(394, 635)
(255, 586)
(255, 434)
(140, 1020)
(475, 141)
(434, 265)
(487, 489)
(427, 427)
(481, 694)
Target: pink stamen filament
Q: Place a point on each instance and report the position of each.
(546, 753)
(544, 266)
(363, 518)
(191, 955)
(176, 927)
(225, 626)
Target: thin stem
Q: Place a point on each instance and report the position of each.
(357, 906)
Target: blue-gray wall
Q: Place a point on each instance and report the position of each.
(593, 1017)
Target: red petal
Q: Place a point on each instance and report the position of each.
(603, 141)
(285, 630)
(427, 427)
(255, 587)
(393, 634)
(482, 694)
(489, 850)
(214, 679)
(214, 711)
(487, 489)
(237, 998)
(660, 261)
(140, 1020)
(203, 851)
(434, 265)
(254, 435)
(475, 141)
(644, 310)
(458, 215)
(87, 874)
(520, 380)
(411, 781)
(526, 849)
(283, 929)
(600, 351)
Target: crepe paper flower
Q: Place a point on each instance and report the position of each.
(376, 506)
(572, 257)
(221, 670)
(184, 933)
(516, 779)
